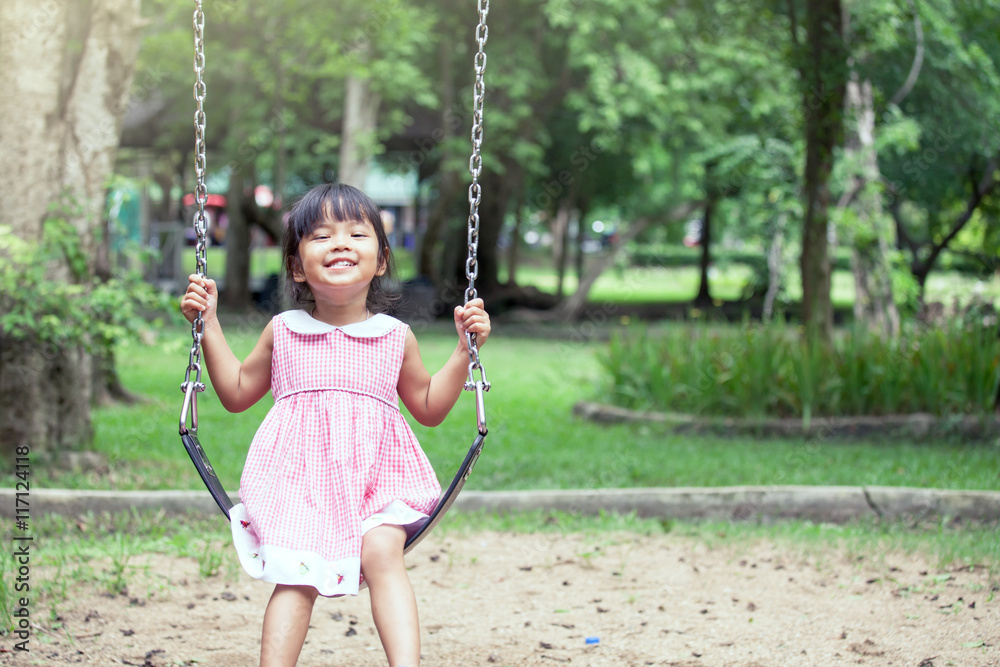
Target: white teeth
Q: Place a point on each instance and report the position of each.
(343, 262)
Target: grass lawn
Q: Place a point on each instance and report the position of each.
(534, 441)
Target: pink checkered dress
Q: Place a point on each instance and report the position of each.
(333, 458)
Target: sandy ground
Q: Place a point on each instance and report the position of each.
(496, 599)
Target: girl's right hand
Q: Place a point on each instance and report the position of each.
(202, 295)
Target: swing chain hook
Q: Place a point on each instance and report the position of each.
(190, 386)
(475, 196)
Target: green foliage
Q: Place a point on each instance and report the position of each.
(36, 306)
(275, 74)
(767, 370)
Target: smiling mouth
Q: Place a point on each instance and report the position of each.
(341, 264)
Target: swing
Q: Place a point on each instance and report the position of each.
(193, 384)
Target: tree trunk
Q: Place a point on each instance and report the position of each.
(358, 138)
(560, 237)
(235, 294)
(870, 232)
(65, 69)
(823, 74)
(449, 182)
(774, 266)
(704, 296)
(441, 211)
(583, 208)
(869, 229)
(513, 251)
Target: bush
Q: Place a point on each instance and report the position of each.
(81, 311)
(767, 370)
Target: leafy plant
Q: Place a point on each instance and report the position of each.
(768, 370)
(49, 296)
(120, 552)
(210, 559)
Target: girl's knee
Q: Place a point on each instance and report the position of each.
(295, 594)
(382, 548)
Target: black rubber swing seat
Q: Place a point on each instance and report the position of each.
(222, 499)
(207, 472)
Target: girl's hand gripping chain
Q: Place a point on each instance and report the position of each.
(202, 296)
(472, 318)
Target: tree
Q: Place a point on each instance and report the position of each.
(942, 174)
(868, 228)
(65, 69)
(822, 63)
(685, 98)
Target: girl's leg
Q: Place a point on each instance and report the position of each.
(394, 607)
(286, 622)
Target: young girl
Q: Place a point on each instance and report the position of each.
(334, 480)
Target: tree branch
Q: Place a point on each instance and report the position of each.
(918, 59)
(901, 233)
(980, 189)
(572, 306)
(851, 193)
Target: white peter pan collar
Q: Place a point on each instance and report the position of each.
(301, 322)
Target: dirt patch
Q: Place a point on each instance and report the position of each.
(496, 599)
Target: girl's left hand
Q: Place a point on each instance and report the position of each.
(473, 318)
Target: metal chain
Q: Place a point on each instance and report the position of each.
(476, 160)
(189, 387)
(475, 196)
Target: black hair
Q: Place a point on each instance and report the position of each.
(337, 202)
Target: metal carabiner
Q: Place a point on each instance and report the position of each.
(190, 404)
(481, 407)
(479, 386)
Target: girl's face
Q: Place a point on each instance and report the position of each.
(339, 259)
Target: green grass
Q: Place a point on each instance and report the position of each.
(534, 441)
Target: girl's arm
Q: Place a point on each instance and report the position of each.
(237, 384)
(430, 398)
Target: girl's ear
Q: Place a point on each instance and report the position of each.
(383, 264)
(296, 269)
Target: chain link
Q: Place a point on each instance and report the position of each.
(476, 160)
(475, 197)
(192, 387)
